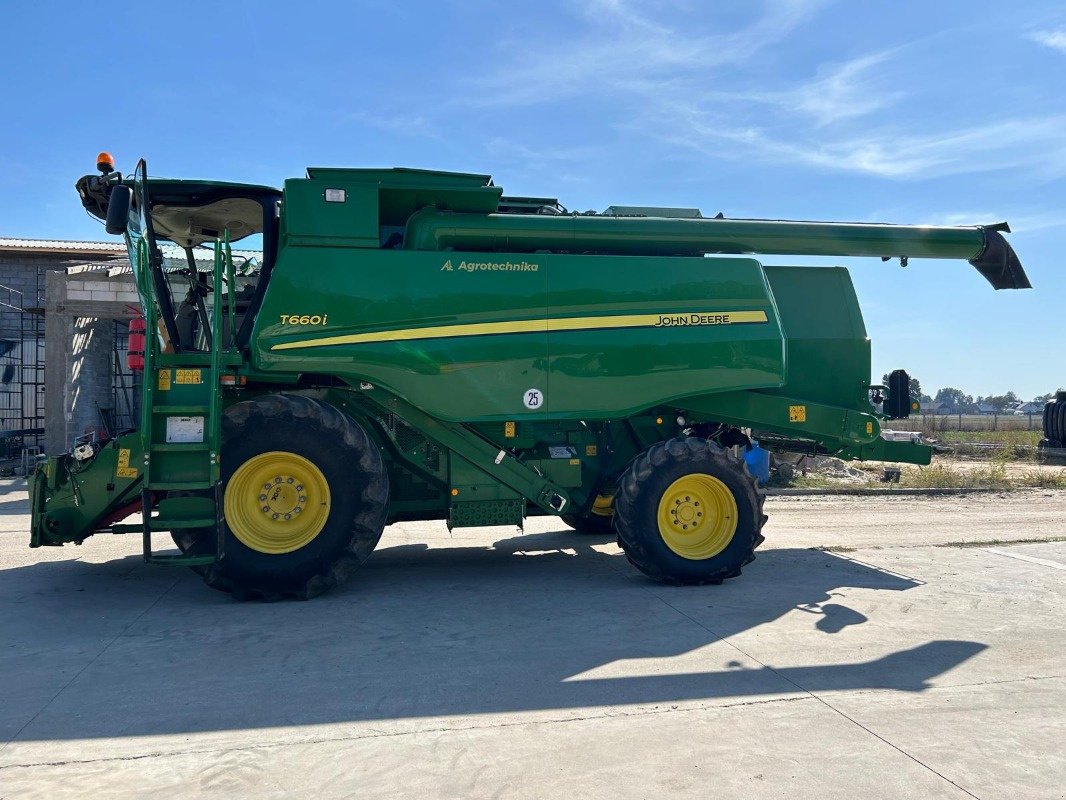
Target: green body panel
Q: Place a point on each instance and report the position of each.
(69, 501)
(598, 373)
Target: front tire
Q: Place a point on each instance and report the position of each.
(689, 512)
(305, 497)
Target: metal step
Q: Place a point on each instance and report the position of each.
(181, 447)
(193, 360)
(160, 524)
(189, 411)
(179, 485)
(181, 560)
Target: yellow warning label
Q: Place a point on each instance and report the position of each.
(508, 430)
(869, 429)
(797, 413)
(590, 450)
(164, 380)
(188, 376)
(575, 462)
(123, 468)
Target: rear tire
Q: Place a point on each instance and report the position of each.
(655, 497)
(343, 508)
(1055, 419)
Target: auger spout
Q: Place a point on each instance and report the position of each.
(983, 246)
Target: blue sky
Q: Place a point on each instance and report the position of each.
(911, 112)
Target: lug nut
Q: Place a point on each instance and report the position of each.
(266, 509)
(288, 516)
(262, 497)
(290, 480)
(297, 510)
(266, 485)
(274, 516)
(299, 487)
(277, 479)
(303, 498)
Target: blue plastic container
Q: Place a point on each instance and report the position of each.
(758, 461)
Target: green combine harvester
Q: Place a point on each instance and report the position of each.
(414, 345)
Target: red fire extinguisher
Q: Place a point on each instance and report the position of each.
(135, 354)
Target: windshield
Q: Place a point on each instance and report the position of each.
(172, 228)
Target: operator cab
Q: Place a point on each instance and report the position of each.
(180, 222)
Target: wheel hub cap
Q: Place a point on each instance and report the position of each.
(697, 516)
(277, 502)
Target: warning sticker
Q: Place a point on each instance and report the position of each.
(797, 413)
(164, 380)
(185, 429)
(188, 376)
(122, 467)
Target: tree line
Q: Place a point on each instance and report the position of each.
(961, 402)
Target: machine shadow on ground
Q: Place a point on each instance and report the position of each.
(424, 632)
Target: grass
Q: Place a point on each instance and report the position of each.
(1004, 438)
(994, 476)
(940, 476)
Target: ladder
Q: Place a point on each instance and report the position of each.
(181, 422)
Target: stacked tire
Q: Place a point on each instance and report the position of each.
(1055, 422)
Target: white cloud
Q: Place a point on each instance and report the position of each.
(1022, 222)
(624, 50)
(1053, 39)
(889, 153)
(650, 72)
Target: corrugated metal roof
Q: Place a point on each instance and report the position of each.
(108, 248)
(61, 246)
(173, 259)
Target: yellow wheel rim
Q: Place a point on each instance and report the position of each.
(697, 516)
(277, 502)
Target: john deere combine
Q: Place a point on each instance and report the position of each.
(415, 345)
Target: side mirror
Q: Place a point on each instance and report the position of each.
(898, 402)
(118, 209)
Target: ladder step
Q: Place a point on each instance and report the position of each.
(183, 410)
(193, 360)
(160, 524)
(178, 485)
(181, 447)
(182, 560)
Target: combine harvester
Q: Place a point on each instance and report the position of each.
(417, 346)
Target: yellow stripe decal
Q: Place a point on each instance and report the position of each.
(681, 320)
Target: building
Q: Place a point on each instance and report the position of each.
(936, 408)
(27, 268)
(65, 308)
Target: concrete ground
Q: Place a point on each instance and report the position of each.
(538, 664)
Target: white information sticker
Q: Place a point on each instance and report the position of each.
(185, 429)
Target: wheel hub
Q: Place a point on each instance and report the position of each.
(277, 502)
(697, 516)
(283, 498)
